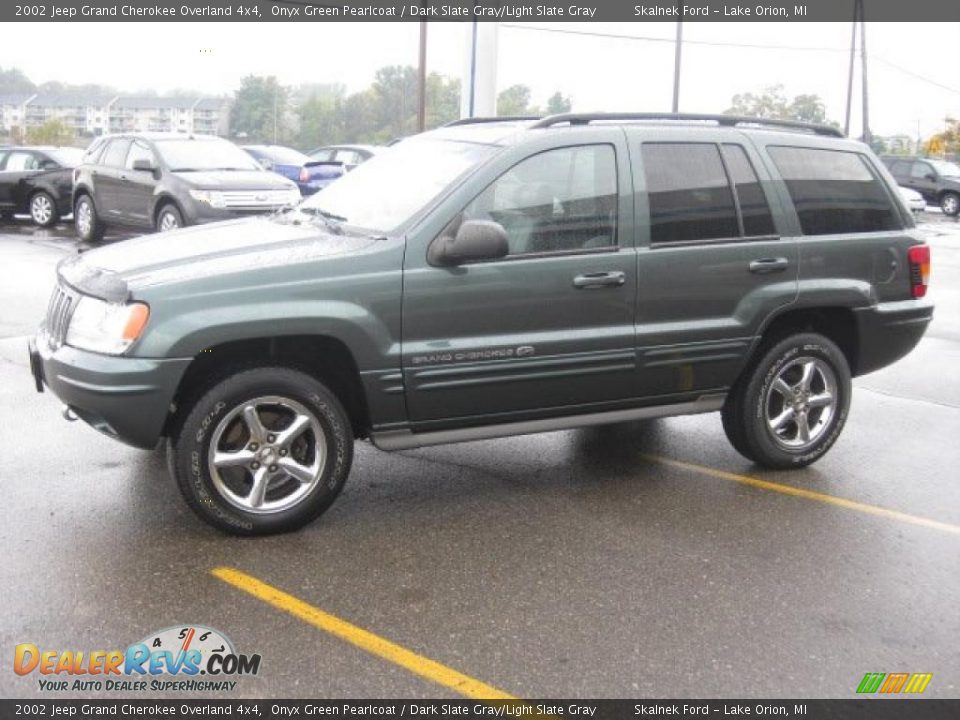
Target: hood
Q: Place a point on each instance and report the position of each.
(192, 253)
(235, 180)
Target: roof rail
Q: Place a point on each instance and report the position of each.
(502, 118)
(724, 120)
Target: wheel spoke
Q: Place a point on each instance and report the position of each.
(288, 435)
(822, 400)
(803, 428)
(258, 433)
(258, 491)
(233, 459)
(782, 419)
(780, 385)
(297, 471)
(807, 377)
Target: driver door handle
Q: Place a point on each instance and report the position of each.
(589, 281)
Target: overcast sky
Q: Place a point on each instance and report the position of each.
(599, 73)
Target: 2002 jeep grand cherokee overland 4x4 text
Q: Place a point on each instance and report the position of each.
(494, 278)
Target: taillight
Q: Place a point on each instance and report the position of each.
(919, 258)
(304, 175)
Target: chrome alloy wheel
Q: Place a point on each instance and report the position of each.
(41, 209)
(84, 218)
(168, 221)
(801, 402)
(950, 204)
(267, 454)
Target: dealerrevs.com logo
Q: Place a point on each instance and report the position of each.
(179, 658)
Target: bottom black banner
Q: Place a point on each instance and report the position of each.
(855, 709)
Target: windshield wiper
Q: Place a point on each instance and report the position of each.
(331, 220)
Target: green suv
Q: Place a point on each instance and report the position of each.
(495, 278)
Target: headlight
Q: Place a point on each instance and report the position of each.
(105, 327)
(212, 198)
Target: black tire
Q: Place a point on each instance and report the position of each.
(43, 209)
(89, 226)
(169, 217)
(218, 416)
(950, 204)
(755, 402)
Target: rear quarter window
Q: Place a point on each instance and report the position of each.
(834, 191)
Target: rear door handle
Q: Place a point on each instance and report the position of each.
(594, 280)
(769, 265)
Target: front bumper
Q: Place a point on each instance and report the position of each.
(127, 398)
(888, 331)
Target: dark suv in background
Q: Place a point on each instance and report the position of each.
(498, 278)
(168, 180)
(937, 180)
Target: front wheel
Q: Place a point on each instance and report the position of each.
(169, 218)
(791, 407)
(43, 209)
(88, 224)
(264, 451)
(950, 204)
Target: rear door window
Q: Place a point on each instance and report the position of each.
(834, 191)
(921, 170)
(754, 208)
(689, 193)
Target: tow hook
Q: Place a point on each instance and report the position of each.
(68, 414)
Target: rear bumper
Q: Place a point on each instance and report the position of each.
(888, 331)
(124, 397)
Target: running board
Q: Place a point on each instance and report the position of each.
(391, 440)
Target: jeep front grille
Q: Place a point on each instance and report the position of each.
(61, 307)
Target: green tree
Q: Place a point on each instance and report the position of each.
(443, 100)
(557, 103)
(515, 100)
(768, 103)
(52, 132)
(14, 81)
(259, 111)
(807, 108)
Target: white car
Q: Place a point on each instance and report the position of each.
(913, 199)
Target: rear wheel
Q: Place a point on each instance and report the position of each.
(169, 218)
(950, 203)
(89, 226)
(264, 451)
(43, 209)
(793, 403)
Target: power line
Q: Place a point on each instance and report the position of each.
(915, 75)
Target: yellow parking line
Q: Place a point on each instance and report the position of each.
(808, 495)
(363, 639)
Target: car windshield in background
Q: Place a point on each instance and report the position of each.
(283, 156)
(947, 169)
(68, 157)
(190, 155)
(387, 190)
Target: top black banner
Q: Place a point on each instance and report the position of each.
(477, 10)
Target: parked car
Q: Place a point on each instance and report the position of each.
(169, 180)
(37, 181)
(490, 279)
(913, 199)
(310, 175)
(348, 155)
(938, 181)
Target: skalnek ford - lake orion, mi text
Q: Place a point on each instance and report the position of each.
(661, 11)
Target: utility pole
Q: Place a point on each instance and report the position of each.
(676, 60)
(276, 89)
(853, 55)
(422, 80)
(867, 136)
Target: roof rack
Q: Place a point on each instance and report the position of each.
(502, 118)
(724, 120)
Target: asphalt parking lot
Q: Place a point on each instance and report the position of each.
(639, 560)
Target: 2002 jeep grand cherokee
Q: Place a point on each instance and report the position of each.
(494, 278)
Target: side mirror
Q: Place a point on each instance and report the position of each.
(144, 164)
(931, 177)
(475, 240)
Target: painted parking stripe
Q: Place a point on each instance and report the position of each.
(808, 494)
(363, 639)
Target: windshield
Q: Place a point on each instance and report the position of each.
(182, 155)
(948, 169)
(67, 157)
(282, 155)
(387, 190)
